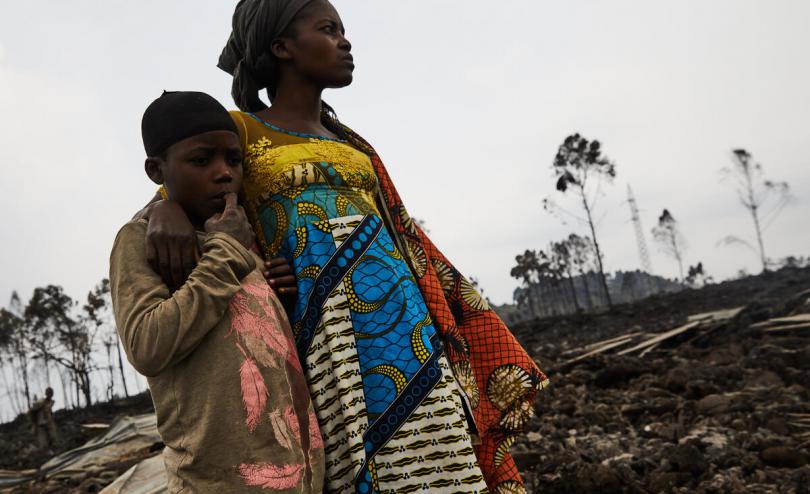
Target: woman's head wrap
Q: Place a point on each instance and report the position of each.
(178, 115)
(247, 57)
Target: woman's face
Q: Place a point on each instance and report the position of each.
(317, 47)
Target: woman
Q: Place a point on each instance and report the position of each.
(417, 385)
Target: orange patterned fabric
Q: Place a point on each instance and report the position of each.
(500, 380)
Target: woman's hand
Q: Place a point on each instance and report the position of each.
(233, 221)
(280, 276)
(171, 242)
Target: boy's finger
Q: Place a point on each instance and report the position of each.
(230, 202)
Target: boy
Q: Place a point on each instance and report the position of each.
(231, 400)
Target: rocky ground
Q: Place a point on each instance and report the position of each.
(721, 409)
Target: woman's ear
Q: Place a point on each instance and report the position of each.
(154, 169)
(279, 49)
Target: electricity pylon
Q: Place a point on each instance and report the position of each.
(643, 253)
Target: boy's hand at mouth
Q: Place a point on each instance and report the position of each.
(233, 221)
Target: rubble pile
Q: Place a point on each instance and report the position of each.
(18, 449)
(718, 402)
(122, 445)
(92, 453)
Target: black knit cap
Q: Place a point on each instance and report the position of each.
(178, 115)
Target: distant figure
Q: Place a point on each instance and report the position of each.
(42, 423)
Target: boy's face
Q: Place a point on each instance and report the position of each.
(198, 171)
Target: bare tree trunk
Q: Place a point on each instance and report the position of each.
(549, 304)
(762, 258)
(677, 253)
(68, 396)
(601, 293)
(573, 290)
(85, 385)
(77, 388)
(47, 370)
(121, 368)
(596, 246)
(13, 394)
(111, 381)
(753, 207)
(560, 298)
(530, 297)
(565, 298)
(24, 372)
(588, 299)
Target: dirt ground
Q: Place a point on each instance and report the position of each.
(720, 411)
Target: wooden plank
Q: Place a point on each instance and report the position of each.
(648, 349)
(598, 344)
(718, 315)
(96, 426)
(601, 349)
(661, 337)
(799, 318)
(788, 328)
(654, 340)
(791, 319)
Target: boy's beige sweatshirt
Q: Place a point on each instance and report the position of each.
(232, 403)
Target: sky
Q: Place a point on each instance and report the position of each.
(466, 101)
